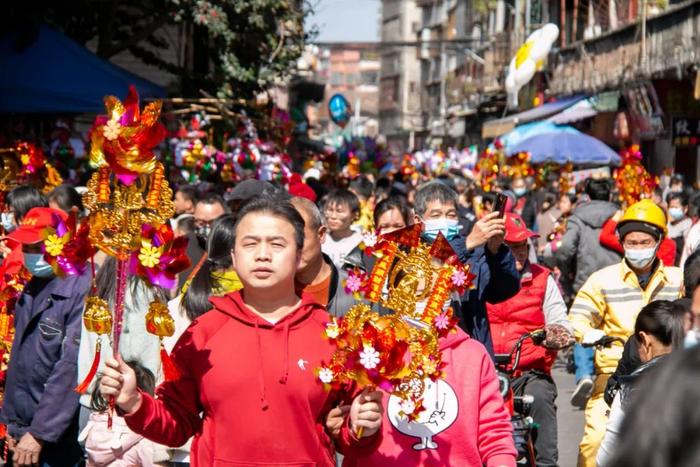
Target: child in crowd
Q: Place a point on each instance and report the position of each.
(119, 446)
(340, 209)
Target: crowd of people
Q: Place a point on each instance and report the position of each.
(269, 266)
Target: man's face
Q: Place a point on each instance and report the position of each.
(265, 254)
(638, 241)
(313, 238)
(438, 210)
(182, 205)
(205, 214)
(520, 252)
(339, 217)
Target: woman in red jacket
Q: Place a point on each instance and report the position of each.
(247, 390)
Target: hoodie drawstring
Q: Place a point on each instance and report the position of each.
(285, 375)
(261, 377)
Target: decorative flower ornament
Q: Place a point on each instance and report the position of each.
(369, 357)
(124, 139)
(66, 246)
(161, 257)
(325, 375)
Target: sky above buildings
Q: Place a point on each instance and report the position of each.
(345, 20)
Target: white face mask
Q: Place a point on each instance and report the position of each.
(639, 259)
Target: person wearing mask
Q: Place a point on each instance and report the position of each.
(610, 239)
(660, 328)
(272, 409)
(579, 254)
(610, 300)
(524, 205)
(341, 208)
(538, 305)
(679, 223)
(65, 198)
(496, 278)
(209, 208)
(317, 275)
(40, 407)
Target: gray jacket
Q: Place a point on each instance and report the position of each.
(580, 251)
(339, 301)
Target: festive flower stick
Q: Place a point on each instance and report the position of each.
(397, 352)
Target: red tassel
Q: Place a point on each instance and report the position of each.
(83, 387)
(170, 370)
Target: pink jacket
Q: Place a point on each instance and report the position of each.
(465, 422)
(119, 447)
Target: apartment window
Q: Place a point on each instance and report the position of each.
(336, 78)
(412, 87)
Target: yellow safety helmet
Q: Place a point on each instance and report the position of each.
(645, 211)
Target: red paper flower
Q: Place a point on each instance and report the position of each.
(67, 248)
(162, 256)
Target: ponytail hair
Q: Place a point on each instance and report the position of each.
(196, 300)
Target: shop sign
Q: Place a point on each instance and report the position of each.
(685, 131)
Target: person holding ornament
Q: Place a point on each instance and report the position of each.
(40, 407)
(483, 250)
(271, 394)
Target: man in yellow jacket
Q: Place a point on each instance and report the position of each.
(610, 300)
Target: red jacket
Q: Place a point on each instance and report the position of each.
(522, 314)
(465, 422)
(609, 239)
(254, 384)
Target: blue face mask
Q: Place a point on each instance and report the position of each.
(8, 221)
(36, 265)
(676, 213)
(448, 227)
(520, 191)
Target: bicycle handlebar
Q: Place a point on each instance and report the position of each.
(605, 341)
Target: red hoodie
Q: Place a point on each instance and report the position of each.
(465, 422)
(255, 386)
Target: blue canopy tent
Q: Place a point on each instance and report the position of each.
(57, 75)
(562, 147)
(518, 134)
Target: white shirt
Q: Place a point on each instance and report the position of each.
(338, 250)
(692, 240)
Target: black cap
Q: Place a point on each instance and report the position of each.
(637, 226)
(248, 189)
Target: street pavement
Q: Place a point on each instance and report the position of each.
(569, 418)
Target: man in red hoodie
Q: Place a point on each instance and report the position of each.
(537, 305)
(247, 366)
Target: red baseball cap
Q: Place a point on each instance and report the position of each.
(516, 230)
(35, 221)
